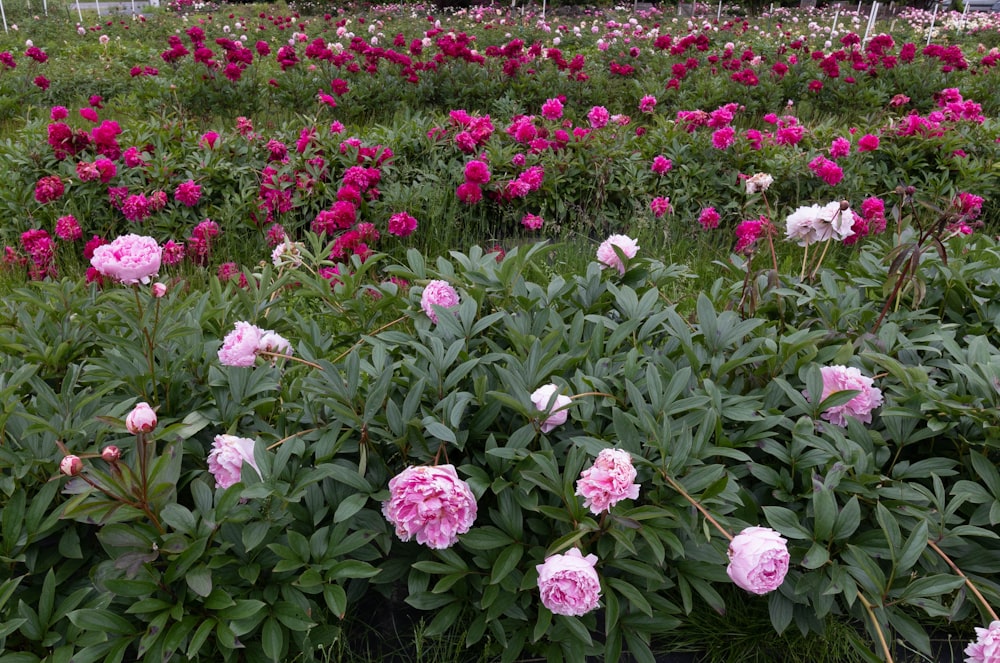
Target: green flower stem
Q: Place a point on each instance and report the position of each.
(964, 577)
(878, 628)
(680, 489)
(142, 506)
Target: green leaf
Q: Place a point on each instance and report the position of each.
(272, 639)
(786, 522)
(336, 599)
(199, 579)
(914, 547)
(506, 562)
(349, 506)
(824, 513)
(848, 519)
(100, 620)
(199, 637)
(576, 629)
(243, 609)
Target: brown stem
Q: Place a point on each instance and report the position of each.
(680, 489)
(360, 340)
(286, 439)
(878, 627)
(278, 355)
(964, 577)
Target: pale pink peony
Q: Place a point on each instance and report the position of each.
(159, 289)
(608, 481)
(840, 378)
(272, 342)
(128, 259)
(607, 256)
(758, 560)
(225, 460)
(430, 503)
(986, 648)
(569, 584)
(239, 348)
(541, 397)
(437, 293)
(812, 223)
(71, 465)
(142, 419)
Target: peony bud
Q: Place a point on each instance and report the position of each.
(71, 465)
(141, 419)
(159, 289)
(111, 454)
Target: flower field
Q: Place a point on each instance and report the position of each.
(335, 331)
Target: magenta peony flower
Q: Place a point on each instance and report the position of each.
(608, 481)
(661, 164)
(430, 503)
(49, 188)
(402, 224)
(841, 378)
(188, 193)
(660, 206)
(758, 560)
(239, 348)
(437, 293)
(552, 109)
(558, 412)
(532, 222)
(598, 117)
(142, 419)
(477, 172)
(868, 143)
(709, 218)
(129, 259)
(469, 193)
(226, 459)
(986, 648)
(569, 584)
(647, 104)
(607, 256)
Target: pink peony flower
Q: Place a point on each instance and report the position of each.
(469, 193)
(430, 503)
(159, 289)
(239, 348)
(532, 222)
(608, 257)
(438, 293)
(49, 188)
(660, 206)
(598, 117)
(868, 143)
(477, 172)
(402, 224)
(142, 419)
(569, 584)
(841, 378)
(188, 193)
(708, 218)
(226, 459)
(840, 147)
(71, 465)
(758, 560)
(647, 104)
(661, 164)
(129, 259)
(986, 648)
(68, 228)
(552, 109)
(723, 138)
(608, 481)
(558, 412)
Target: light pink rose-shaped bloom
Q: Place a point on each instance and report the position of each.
(141, 419)
(607, 256)
(608, 481)
(128, 259)
(569, 584)
(272, 342)
(437, 293)
(159, 289)
(758, 560)
(986, 648)
(225, 460)
(430, 503)
(541, 397)
(840, 378)
(239, 348)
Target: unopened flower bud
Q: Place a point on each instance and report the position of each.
(71, 465)
(159, 289)
(910, 190)
(111, 454)
(844, 205)
(141, 419)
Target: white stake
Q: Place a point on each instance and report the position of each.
(871, 22)
(4, 14)
(833, 30)
(78, 12)
(931, 30)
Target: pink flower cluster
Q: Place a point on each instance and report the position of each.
(843, 378)
(758, 560)
(608, 252)
(608, 481)
(986, 648)
(438, 293)
(431, 504)
(826, 170)
(41, 250)
(749, 231)
(227, 457)
(241, 346)
(402, 224)
(569, 584)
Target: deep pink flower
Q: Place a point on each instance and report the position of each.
(723, 138)
(68, 229)
(661, 164)
(598, 117)
(49, 188)
(173, 253)
(552, 109)
(402, 224)
(841, 378)
(477, 172)
(431, 504)
(187, 193)
(469, 193)
(58, 113)
(532, 222)
(41, 82)
(660, 206)
(608, 481)
(647, 104)
(438, 293)
(758, 560)
(868, 143)
(708, 218)
(568, 583)
(608, 257)
(128, 259)
(227, 457)
(840, 147)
